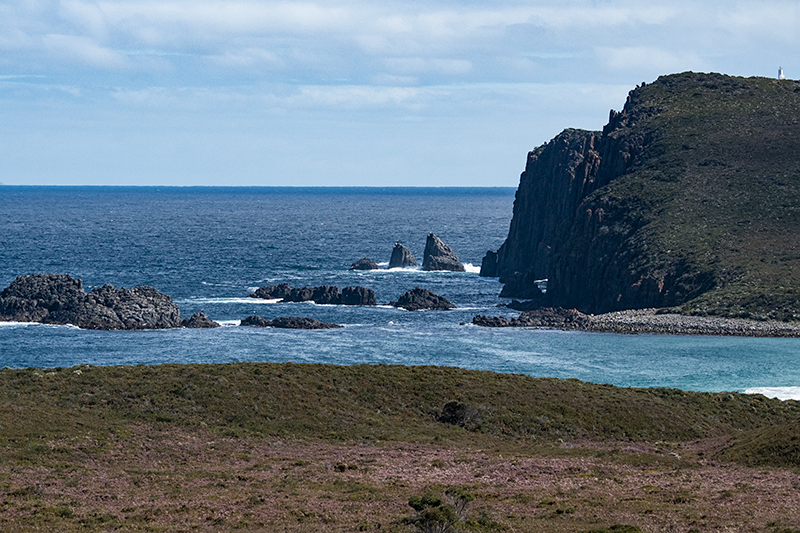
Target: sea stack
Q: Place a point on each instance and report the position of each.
(402, 257)
(439, 256)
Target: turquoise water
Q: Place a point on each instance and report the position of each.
(209, 247)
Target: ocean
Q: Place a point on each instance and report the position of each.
(209, 247)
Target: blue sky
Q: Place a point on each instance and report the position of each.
(433, 93)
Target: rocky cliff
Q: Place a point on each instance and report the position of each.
(688, 198)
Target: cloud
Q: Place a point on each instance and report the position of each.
(83, 49)
(419, 65)
(649, 59)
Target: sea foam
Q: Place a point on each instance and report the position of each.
(781, 393)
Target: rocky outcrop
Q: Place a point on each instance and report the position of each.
(256, 322)
(326, 294)
(402, 257)
(642, 321)
(365, 263)
(199, 320)
(272, 292)
(357, 296)
(439, 256)
(658, 209)
(557, 318)
(419, 298)
(60, 299)
(287, 322)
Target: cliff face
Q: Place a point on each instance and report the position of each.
(688, 197)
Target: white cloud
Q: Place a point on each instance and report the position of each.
(83, 49)
(419, 65)
(649, 59)
(246, 58)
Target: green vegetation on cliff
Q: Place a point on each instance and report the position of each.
(691, 200)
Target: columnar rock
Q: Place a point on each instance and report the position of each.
(199, 320)
(60, 299)
(419, 298)
(439, 256)
(402, 257)
(365, 263)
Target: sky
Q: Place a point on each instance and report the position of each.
(342, 93)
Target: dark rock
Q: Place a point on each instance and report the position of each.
(199, 320)
(494, 322)
(365, 263)
(439, 256)
(402, 257)
(304, 294)
(294, 322)
(548, 317)
(256, 321)
(287, 322)
(31, 298)
(489, 265)
(419, 298)
(326, 294)
(459, 414)
(60, 299)
(522, 286)
(272, 292)
(357, 296)
(526, 305)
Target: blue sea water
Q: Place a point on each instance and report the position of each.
(210, 247)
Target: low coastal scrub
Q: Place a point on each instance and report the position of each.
(289, 447)
(354, 403)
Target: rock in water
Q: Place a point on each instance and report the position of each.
(199, 320)
(295, 322)
(439, 256)
(287, 322)
(365, 263)
(489, 265)
(402, 257)
(31, 298)
(419, 298)
(326, 294)
(272, 292)
(60, 299)
(256, 321)
(358, 296)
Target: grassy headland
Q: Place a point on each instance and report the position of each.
(268, 447)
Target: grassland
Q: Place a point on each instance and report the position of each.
(287, 447)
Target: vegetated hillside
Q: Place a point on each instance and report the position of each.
(689, 198)
(362, 402)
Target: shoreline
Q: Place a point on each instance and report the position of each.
(640, 321)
